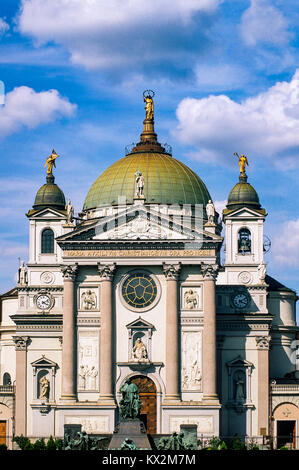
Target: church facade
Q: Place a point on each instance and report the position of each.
(135, 288)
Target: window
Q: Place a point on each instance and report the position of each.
(6, 379)
(244, 241)
(47, 241)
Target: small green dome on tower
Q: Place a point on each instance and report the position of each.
(49, 195)
(243, 194)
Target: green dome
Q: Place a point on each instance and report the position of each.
(166, 181)
(49, 195)
(243, 194)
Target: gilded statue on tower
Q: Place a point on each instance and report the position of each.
(242, 162)
(149, 104)
(50, 162)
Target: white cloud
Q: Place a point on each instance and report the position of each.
(262, 22)
(3, 26)
(110, 33)
(286, 244)
(265, 125)
(26, 107)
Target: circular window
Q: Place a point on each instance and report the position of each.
(139, 291)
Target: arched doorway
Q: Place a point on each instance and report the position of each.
(148, 396)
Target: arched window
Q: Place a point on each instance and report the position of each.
(244, 241)
(6, 379)
(47, 241)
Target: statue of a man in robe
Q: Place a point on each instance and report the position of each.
(149, 106)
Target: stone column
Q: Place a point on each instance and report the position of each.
(172, 362)
(107, 334)
(263, 343)
(68, 392)
(209, 333)
(21, 343)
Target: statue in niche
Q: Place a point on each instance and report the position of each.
(210, 210)
(191, 299)
(44, 387)
(88, 300)
(139, 352)
(69, 212)
(239, 387)
(130, 402)
(23, 274)
(139, 184)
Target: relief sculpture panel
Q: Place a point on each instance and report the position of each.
(191, 360)
(88, 363)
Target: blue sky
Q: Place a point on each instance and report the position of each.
(225, 77)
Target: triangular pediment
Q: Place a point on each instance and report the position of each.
(47, 213)
(140, 324)
(239, 362)
(43, 362)
(138, 223)
(245, 213)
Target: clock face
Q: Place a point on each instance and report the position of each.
(240, 300)
(43, 302)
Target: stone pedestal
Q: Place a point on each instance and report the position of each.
(130, 429)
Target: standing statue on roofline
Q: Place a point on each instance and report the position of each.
(50, 162)
(242, 162)
(149, 104)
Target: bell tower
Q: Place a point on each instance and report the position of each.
(244, 219)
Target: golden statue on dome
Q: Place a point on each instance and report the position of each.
(149, 104)
(242, 162)
(50, 162)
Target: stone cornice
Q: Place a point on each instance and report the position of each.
(38, 288)
(37, 320)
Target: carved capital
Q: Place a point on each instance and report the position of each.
(209, 271)
(106, 271)
(171, 271)
(21, 342)
(69, 272)
(263, 342)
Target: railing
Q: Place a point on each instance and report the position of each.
(7, 389)
(285, 387)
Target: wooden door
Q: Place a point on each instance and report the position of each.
(2, 432)
(148, 397)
